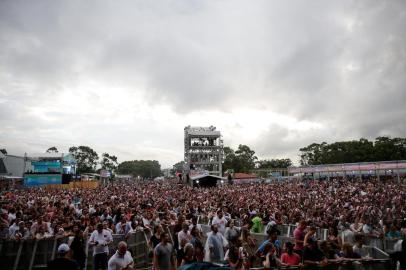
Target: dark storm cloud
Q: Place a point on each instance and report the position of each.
(339, 64)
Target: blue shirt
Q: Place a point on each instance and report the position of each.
(277, 244)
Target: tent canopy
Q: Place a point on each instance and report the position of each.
(206, 180)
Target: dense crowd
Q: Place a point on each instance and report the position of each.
(372, 207)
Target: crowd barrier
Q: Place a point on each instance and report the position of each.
(389, 244)
(378, 258)
(35, 254)
(286, 230)
(79, 184)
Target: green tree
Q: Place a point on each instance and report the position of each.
(274, 163)
(312, 154)
(362, 150)
(229, 158)
(4, 151)
(245, 158)
(386, 148)
(52, 149)
(178, 167)
(109, 162)
(86, 158)
(241, 160)
(143, 168)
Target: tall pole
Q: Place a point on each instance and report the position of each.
(398, 175)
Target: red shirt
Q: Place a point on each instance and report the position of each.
(293, 259)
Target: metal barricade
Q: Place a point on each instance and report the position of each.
(138, 246)
(375, 242)
(291, 229)
(43, 251)
(35, 254)
(283, 229)
(28, 254)
(389, 244)
(10, 254)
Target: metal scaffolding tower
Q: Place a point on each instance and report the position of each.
(204, 149)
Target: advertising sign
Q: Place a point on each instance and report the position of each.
(105, 174)
(31, 180)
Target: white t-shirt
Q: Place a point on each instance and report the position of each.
(11, 217)
(366, 229)
(118, 262)
(398, 245)
(183, 235)
(221, 224)
(102, 239)
(13, 228)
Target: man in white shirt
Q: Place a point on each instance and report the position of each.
(121, 226)
(14, 227)
(215, 245)
(122, 259)
(220, 221)
(100, 239)
(184, 236)
(11, 215)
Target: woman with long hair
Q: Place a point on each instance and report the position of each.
(156, 237)
(235, 256)
(289, 257)
(248, 243)
(77, 246)
(197, 244)
(189, 255)
(231, 231)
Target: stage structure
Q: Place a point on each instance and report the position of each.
(49, 168)
(203, 151)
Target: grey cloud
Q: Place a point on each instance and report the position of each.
(288, 58)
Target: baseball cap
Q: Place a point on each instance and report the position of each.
(63, 248)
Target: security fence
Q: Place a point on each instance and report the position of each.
(286, 230)
(35, 254)
(377, 258)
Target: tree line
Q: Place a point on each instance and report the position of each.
(362, 150)
(87, 161)
(383, 148)
(243, 159)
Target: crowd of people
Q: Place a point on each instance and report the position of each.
(372, 208)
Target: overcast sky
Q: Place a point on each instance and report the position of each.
(125, 77)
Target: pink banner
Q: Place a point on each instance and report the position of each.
(294, 170)
(335, 168)
(307, 169)
(367, 167)
(402, 165)
(387, 166)
(351, 167)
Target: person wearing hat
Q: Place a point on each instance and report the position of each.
(63, 261)
(100, 239)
